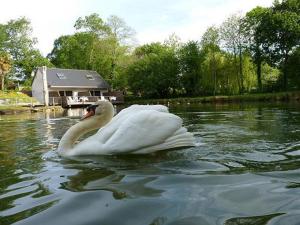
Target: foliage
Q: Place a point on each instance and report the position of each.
(234, 39)
(16, 40)
(211, 46)
(5, 65)
(120, 31)
(276, 33)
(255, 53)
(95, 46)
(190, 59)
(16, 95)
(92, 24)
(256, 30)
(155, 73)
(293, 70)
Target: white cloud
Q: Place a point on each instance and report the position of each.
(49, 19)
(200, 15)
(153, 20)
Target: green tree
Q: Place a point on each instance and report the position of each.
(72, 51)
(92, 24)
(233, 38)
(121, 38)
(190, 60)
(155, 73)
(5, 65)
(284, 22)
(17, 41)
(256, 29)
(173, 41)
(293, 70)
(97, 45)
(210, 43)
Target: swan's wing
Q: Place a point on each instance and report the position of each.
(141, 129)
(127, 112)
(135, 108)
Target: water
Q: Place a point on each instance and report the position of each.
(245, 169)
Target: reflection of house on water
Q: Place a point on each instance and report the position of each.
(79, 112)
(49, 138)
(74, 112)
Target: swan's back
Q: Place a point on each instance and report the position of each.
(144, 129)
(135, 108)
(138, 129)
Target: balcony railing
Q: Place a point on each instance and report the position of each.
(68, 101)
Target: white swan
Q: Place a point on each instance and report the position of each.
(138, 129)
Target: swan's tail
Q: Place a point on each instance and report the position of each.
(181, 138)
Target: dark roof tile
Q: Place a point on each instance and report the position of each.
(74, 78)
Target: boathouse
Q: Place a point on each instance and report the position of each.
(69, 87)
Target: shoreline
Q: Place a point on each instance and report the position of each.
(15, 110)
(266, 97)
(234, 99)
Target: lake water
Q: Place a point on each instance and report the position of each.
(245, 169)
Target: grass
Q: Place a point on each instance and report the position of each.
(261, 97)
(12, 95)
(12, 99)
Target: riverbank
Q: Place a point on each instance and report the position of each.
(12, 109)
(14, 102)
(265, 97)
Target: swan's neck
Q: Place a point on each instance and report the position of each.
(67, 142)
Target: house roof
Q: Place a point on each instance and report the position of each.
(74, 78)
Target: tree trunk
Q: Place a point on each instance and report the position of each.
(258, 71)
(2, 82)
(214, 72)
(285, 78)
(241, 70)
(257, 59)
(113, 64)
(237, 73)
(2, 79)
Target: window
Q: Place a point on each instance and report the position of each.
(97, 93)
(53, 94)
(69, 93)
(86, 93)
(61, 93)
(89, 77)
(61, 76)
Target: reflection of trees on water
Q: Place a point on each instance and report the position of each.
(24, 139)
(243, 133)
(229, 132)
(255, 220)
(75, 113)
(113, 180)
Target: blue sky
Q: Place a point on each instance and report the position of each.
(153, 20)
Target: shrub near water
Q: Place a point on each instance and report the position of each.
(16, 96)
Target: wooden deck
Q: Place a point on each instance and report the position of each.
(68, 101)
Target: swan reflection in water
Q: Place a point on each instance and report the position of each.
(138, 129)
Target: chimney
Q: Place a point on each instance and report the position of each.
(45, 85)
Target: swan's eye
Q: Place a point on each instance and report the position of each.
(91, 107)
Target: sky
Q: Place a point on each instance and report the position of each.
(153, 20)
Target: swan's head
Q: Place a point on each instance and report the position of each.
(101, 107)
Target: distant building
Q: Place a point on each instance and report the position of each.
(68, 87)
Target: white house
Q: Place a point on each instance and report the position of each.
(54, 86)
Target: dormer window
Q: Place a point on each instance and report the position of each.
(89, 77)
(61, 76)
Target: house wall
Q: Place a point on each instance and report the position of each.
(37, 87)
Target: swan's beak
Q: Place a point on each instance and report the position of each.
(89, 114)
(90, 111)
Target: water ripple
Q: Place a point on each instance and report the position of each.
(243, 170)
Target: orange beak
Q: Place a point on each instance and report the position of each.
(89, 114)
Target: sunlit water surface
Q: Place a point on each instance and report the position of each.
(245, 169)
